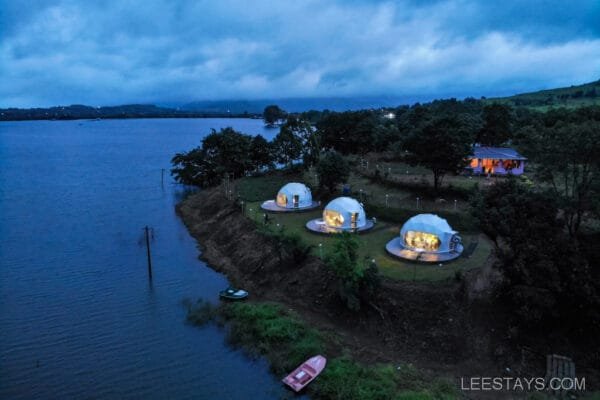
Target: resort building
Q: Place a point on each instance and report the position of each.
(427, 238)
(496, 161)
(291, 197)
(341, 214)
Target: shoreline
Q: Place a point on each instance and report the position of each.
(429, 325)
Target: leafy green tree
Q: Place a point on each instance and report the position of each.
(286, 146)
(384, 135)
(332, 170)
(272, 114)
(348, 132)
(497, 125)
(567, 157)
(442, 146)
(546, 278)
(260, 153)
(187, 167)
(343, 261)
(221, 153)
(308, 137)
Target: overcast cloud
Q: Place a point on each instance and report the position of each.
(122, 51)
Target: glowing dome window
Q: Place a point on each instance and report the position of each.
(333, 218)
(281, 199)
(422, 241)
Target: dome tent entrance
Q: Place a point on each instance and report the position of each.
(291, 197)
(341, 214)
(426, 237)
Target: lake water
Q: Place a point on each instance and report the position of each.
(78, 315)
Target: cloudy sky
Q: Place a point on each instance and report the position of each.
(120, 51)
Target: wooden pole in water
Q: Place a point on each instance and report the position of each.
(148, 252)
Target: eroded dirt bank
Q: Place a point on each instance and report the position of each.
(430, 325)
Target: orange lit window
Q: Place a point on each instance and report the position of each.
(281, 200)
(422, 240)
(333, 218)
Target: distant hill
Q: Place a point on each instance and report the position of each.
(77, 111)
(302, 104)
(573, 96)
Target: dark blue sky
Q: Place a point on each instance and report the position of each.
(121, 51)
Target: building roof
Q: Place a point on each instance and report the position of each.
(496, 153)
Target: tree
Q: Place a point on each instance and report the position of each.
(221, 153)
(260, 153)
(497, 125)
(272, 114)
(546, 278)
(332, 170)
(442, 146)
(343, 261)
(309, 139)
(348, 132)
(567, 158)
(286, 146)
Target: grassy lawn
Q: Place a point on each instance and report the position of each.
(255, 190)
(372, 246)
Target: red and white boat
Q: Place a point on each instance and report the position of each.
(305, 373)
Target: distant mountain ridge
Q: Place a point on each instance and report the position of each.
(573, 96)
(302, 104)
(587, 94)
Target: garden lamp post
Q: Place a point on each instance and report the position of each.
(418, 203)
(386, 200)
(321, 250)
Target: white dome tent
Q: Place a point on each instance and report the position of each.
(341, 214)
(426, 237)
(292, 196)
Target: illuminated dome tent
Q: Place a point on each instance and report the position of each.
(341, 214)
(428, 238)
(291, 197)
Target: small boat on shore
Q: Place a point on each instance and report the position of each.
(233, 294)
(305, 373)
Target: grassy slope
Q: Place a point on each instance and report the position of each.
(372, 244)
(545, 99)
(286, 341)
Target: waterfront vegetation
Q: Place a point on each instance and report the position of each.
(538, 231)
(267, 329)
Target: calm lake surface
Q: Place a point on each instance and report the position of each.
(78, 316)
